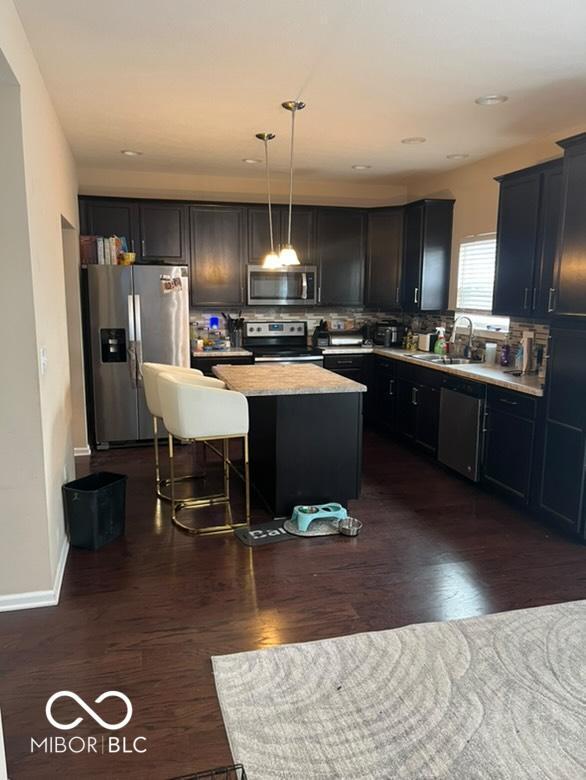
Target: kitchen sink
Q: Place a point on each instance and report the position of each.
(448, 361)
(443, 360)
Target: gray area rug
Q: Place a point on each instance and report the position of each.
(501, 696)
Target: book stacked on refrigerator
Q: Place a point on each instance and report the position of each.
(102, 250)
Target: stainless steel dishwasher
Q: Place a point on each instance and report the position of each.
(461, 426)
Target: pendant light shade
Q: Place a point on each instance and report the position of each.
(271, 259)
(288, 255)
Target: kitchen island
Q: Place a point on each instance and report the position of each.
(305, 433)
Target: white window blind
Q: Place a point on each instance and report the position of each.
(476, 273)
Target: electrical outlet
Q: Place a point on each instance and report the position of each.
(43, 360)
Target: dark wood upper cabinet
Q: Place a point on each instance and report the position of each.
(563, 462)
(384, 258)
(302, 232)
(259, 241)
(427, 249)
(163, 232)
(341, 248)
(527, 235)
(551, 214)
(110, 217)
(570, 275)
(217, 262)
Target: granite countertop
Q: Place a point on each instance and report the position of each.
(232, 352)
(279, 379)
(479, 372)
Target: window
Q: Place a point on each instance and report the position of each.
(476, 267)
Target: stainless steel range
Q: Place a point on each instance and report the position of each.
(280, 342)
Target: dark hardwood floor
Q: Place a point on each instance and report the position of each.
(144, 614)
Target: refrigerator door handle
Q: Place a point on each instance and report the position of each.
(137, 317)
(131, 343)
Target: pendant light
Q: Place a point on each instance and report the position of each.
(288, 255)
(271, 259)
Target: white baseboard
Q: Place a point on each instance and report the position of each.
(79, 452)
(38, 598)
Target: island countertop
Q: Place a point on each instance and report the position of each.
(279, 379)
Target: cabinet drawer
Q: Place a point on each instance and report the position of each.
(511, 402)
(345, 362)
(206, 364)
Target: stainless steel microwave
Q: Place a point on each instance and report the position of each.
(291, 286)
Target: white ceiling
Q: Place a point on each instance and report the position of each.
(189, 82)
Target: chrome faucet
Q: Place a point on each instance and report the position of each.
(467, 349)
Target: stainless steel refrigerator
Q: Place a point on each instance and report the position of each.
(134, 314)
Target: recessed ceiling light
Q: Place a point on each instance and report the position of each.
(250, 161)
(361, 167)
(457, 156)
(491, 100)
(416, 139)
(130, 152)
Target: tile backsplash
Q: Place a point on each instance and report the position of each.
(345, 318)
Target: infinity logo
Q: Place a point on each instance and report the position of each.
(104, 724)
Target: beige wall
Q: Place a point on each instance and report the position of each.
(144, 184)
(476, 192)
(39, 419)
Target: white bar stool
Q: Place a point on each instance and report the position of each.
(195, 412)
(150, 372)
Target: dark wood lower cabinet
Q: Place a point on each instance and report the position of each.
(383, 393)
(427, 399)
(508, 453)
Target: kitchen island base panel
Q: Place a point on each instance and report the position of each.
(306, 449)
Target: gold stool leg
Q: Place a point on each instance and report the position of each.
(157, 461)
(213, 500)
(172, 478)
(246, 481)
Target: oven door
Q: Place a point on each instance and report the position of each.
(282, 286)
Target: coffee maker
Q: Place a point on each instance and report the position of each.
(388, 333)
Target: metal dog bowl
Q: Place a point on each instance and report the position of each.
(349, 526)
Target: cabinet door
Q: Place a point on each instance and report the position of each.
(427, 401)
(163, 233)
(217, 239)
(110, 218)
(436, 255)
(384, 394)
(412, 258)
(550, 215)
(341, 255)
(561, 495)
(384, 258)
(517, 230)
(571, 269)
(508, 453)
(259, 240)
(302, 232)
(406, 420)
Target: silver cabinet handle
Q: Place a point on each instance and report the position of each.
(303, 286)
(526, 298)
(534, 300)
(416, 295)
(143, 244)
(485, 421)
(397, 295)
(132, 245)
(551, 300)
(509, 403)
(319, 294)
(414, 396)
(391, 387)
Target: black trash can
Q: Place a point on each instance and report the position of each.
(95, 509)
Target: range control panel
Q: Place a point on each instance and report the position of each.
(279, 329)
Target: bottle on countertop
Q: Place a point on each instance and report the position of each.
(440, 346)
(506, 353)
